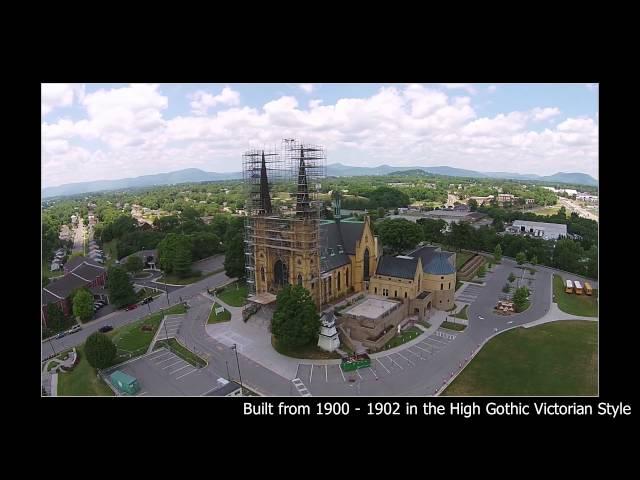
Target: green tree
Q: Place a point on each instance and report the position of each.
(174, 254)
(83, 304)
(534, 260)
(497, 254)
(521, 258)
(472, 204)
(100, 350)
(295, 322)
(511, 277)
(433, 229)
(134, 264)
(520, 298)
(55, 317)
(120, 288)
(398, 234)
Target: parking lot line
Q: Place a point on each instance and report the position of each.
(395, 363)
(428, 351)
(407, 359)
(416, 354)
(178, 378)
(311, 374)
(326, 375)
(436, 340)
(358, 372)
(181, 368)
(168, 366)
(164, 354)
(342, 373)
(374, 372)
(167, 359)
(388, 371)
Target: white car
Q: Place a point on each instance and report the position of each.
(481, 318)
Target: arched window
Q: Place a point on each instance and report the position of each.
(405, 294)
(449, 285)
(442, 286)
(366, 264)
(299, 279)
(338, 281)
(262, 274)
(329, 282)
(375, 290)
(395, 294)
(280, 274)
(346, 279)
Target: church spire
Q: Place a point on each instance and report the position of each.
(265, 198)
(302, 199)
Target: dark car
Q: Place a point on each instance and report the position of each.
(132, 307)
(105, 329)
(147, 300)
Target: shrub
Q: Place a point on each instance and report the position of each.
(100, 350)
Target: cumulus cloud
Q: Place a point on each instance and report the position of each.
(202, 101)
(464, 86)
(307, 87)
(409, 125)
(53, 95)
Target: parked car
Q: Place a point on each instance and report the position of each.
(61, 334)
(132, 307)
(105, 329)
(147, 300)
(74, 329)
(101, 303)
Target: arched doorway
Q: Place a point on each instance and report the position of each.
(366, 264)
(280, 273)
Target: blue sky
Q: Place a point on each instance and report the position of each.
(107, 131)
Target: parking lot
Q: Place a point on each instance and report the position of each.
(470, 293)
(162, 373)
(170, 326)
(415, 356)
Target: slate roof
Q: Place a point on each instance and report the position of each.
(90, 272)
(397, 267)
(48, 298)
(439, 264)
(342, 233)
(334, 261)
(65, 285)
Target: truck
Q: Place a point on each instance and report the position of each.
(569, 287)
(354, 362)
(588, 289)
(578, 287)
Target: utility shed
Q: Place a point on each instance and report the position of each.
(125, 383)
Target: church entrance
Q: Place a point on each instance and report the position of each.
(280, 274)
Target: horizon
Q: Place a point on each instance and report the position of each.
(98, 132)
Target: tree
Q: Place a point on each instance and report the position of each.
(472, 204)
(432, 229)
(534, 260)
(511, 277)
(506, 288)
(295, 322)
(174, 254)
(83, 304)
(234, 256)
(497, 254)
(398, 234)
(521, 258)
(120, 288)
(520, 298)
(100, 350)
(55, 317)
(134, 264)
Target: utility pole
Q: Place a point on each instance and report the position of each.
(235, 349)
(51, 344)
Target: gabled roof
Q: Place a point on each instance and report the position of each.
(88, 272)
(398, 267)
(342, 233)
(64, 286)
(334, 261)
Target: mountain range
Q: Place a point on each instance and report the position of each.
(192, 175)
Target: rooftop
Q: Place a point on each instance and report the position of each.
(372, 307)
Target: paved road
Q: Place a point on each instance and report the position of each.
(571, 206)
(78, 237)
(120, 318)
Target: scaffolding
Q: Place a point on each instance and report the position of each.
(284, 232)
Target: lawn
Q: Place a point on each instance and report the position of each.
(462, 313)
(557, 358)
(82, 380)
(582, 305)
(234, 295)
(404, 337)
(131, 340)
(182, 352)
(453, 326)
(461, 259)
(221, 317)
(194, 277)
(312, 351)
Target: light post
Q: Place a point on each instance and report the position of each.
(228, 376)
(235, 349)
(51, 345)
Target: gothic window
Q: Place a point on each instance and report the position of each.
(366, 264)
(375, 290)
(346, 279)
(280, 274)
(405, 294)
(299, 279)
(299, 262)
(395, 294)
(329, 282)
(338, 281)
(262, 273)
(449, 285)
(442, 286)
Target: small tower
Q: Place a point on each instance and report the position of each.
(328, 339)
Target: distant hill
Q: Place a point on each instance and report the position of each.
(180, 176)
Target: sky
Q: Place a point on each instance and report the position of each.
(109, 131)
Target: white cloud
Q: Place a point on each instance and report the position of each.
(411, 125)
(53, 95)
(545, 113)
(203, 101)
(492, 88)
(465, 86)
(307, 87)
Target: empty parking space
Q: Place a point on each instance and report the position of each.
(162, 373)
(170, 326)
(469, 294)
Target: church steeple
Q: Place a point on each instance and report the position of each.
(302, 198)
(265, 198)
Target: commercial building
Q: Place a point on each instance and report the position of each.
(547, 231)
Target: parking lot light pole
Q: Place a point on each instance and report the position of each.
(235, 349)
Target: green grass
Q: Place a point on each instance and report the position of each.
(557, 358)
(312, 351)
(404, 337)
(582, 305)
(461, 259)
(181, 351)
(462, 313)
(144, 293)
(82, 380)
(175, 280)
(132, 339)
(221, 317)
(234, 295)
(453, 326)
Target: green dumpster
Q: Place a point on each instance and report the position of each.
(355, 362)
(125, 383)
